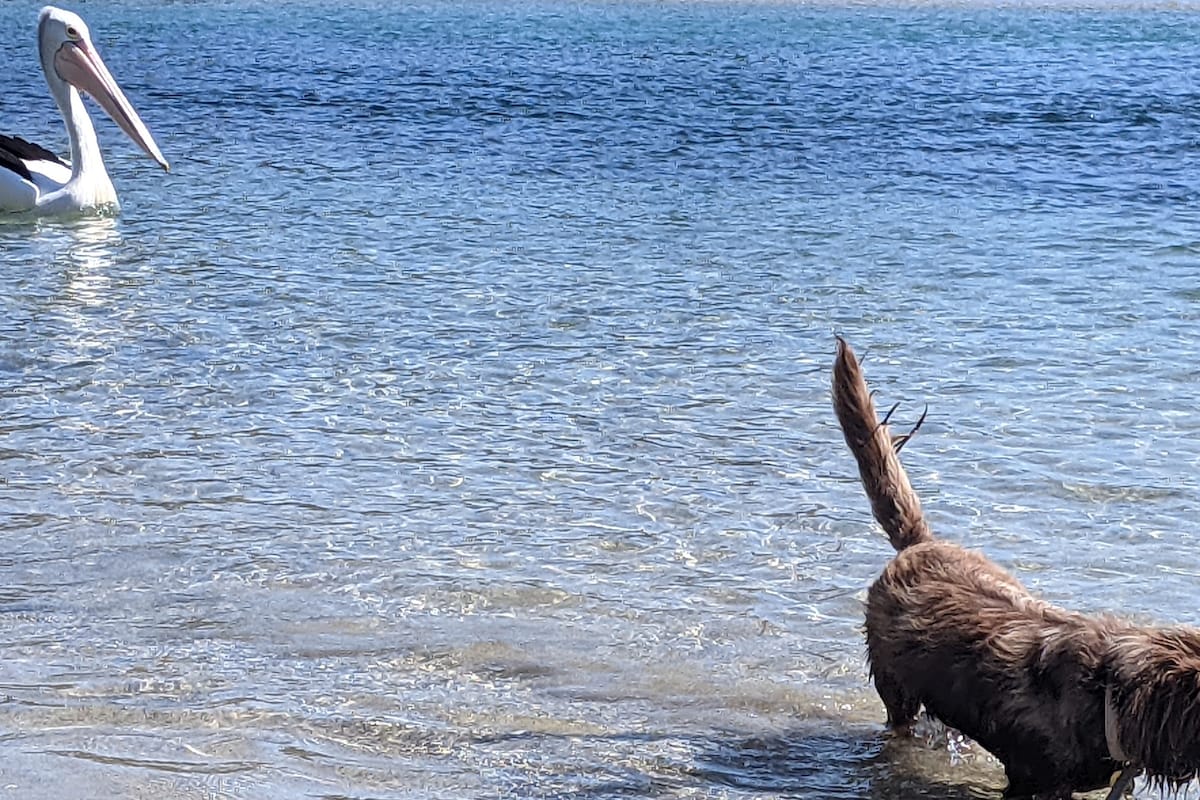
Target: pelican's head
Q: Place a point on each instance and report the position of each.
(69, 57)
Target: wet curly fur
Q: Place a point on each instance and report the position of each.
(950, 630)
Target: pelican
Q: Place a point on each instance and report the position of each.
(34, 179)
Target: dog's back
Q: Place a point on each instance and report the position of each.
(950, 630)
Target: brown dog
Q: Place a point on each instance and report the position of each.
(1063, 700)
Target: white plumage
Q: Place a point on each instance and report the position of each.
(34, 179)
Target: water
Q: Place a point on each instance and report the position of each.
(453, 421)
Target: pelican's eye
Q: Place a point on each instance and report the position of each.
(72, 32)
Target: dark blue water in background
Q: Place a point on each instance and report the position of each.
(453, 420)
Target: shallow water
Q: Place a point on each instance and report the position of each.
(453, 420)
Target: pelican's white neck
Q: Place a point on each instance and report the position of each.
(89, 184)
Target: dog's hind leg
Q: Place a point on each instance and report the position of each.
(901, 706)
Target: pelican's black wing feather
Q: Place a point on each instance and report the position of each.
(15, 151)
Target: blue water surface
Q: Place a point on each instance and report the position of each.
(453, 420)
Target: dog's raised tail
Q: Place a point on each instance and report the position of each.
(893, 501)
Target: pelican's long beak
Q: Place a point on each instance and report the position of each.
(80, 65)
